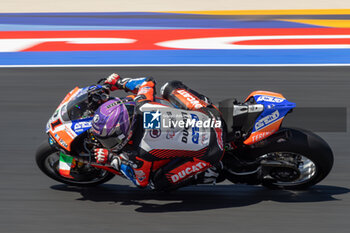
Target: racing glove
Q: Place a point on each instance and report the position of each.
(116, 82)
(101, 155)
(113, 81)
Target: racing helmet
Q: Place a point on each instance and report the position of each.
(113, 123)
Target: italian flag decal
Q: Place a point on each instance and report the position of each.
(65, 165)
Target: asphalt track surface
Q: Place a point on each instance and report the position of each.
(31, 202)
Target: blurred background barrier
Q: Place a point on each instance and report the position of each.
(165, 5)
(228, 38)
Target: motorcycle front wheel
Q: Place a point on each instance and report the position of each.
(47, 159)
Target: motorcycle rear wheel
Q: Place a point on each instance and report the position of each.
(314, 155)
(293, 159)
(47, 158)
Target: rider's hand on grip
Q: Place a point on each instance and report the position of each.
(113, 81)
(101, 155)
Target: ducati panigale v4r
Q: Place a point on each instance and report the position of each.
(257, 149)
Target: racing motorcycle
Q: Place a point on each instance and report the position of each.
(258, 151)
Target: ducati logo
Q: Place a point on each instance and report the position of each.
(188, 171)
(194, 102)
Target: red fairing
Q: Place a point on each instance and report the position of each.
(109, 169)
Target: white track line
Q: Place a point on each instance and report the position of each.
(174, 65)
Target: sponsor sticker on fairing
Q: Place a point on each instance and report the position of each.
(140, 175)
(63, 143)
(195, 130)
(81, 126)
(268, 98)
(144, 90)
(261, 136)
(267, 120)
(155, 133)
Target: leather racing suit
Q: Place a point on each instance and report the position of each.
(189, 148)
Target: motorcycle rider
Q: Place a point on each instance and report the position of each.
(130, 147)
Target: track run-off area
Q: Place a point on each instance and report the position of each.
(306, 37)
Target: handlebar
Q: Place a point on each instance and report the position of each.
(98, 94)
(101, 80)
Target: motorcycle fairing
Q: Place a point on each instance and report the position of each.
(69, 96)
(264, 93)
(60, 130)
(269, 121)
(64, 127)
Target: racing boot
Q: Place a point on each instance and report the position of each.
(211, 175)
